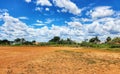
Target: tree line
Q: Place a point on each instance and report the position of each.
(17, 41)
(108, 43)
(56, 40)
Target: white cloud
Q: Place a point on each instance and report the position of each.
(38, 9)
(63, 10)
(23, 18)
(43, 2)
(58, 11)
(74, 24)
(65, 5)
(28, 1)
(68, 5)
(112, 26)
(48, 21)
(47, 9)
(81, 19)
(75, 29)
(66, 32)
(95, 29)
(14, 28)
(101, 11)
(39, 23)
(102, 27)
(3, 10)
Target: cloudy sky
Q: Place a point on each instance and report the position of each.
(41, 20)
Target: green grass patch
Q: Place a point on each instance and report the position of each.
(65, 51)
(90, 61)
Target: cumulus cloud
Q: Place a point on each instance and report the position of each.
(14, 28)
(43, 2)
(76, 29)
(95, 29)
(102, 27)
(101, 11)
(68, 6)
(112, 25)
(65, 5)
(66, 32)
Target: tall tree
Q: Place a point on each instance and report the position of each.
(56, 39)
(94, 40)
(6, 42)
(108, 39)
(17, 40)
(116, 40)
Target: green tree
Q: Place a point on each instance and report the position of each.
(5, 42)
(22, 40)
(0, 41)
(94, 40)
(17, 40)
(108, 39)
(56, 39)
(33, 42)
(116, 40)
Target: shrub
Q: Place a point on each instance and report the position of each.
(115, 46)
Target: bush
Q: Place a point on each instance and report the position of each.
(115, 46)
(88, 44)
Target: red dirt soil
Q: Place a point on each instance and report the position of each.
(58, 60)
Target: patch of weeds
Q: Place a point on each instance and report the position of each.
(65, 51)
(90, 61)
(9, 71)
(102, 60)
(30, 68)
(78, 53)
(113, 61)
(112, 49)
(109, 61)
(68, 51)
(71, 53)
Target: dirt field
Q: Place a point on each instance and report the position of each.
(58, 60)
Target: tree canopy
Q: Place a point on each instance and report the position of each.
(94, 40)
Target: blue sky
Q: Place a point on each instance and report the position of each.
(41, 20)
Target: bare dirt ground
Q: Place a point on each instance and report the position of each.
(58, 60)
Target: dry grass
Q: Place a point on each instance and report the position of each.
(58, 60)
